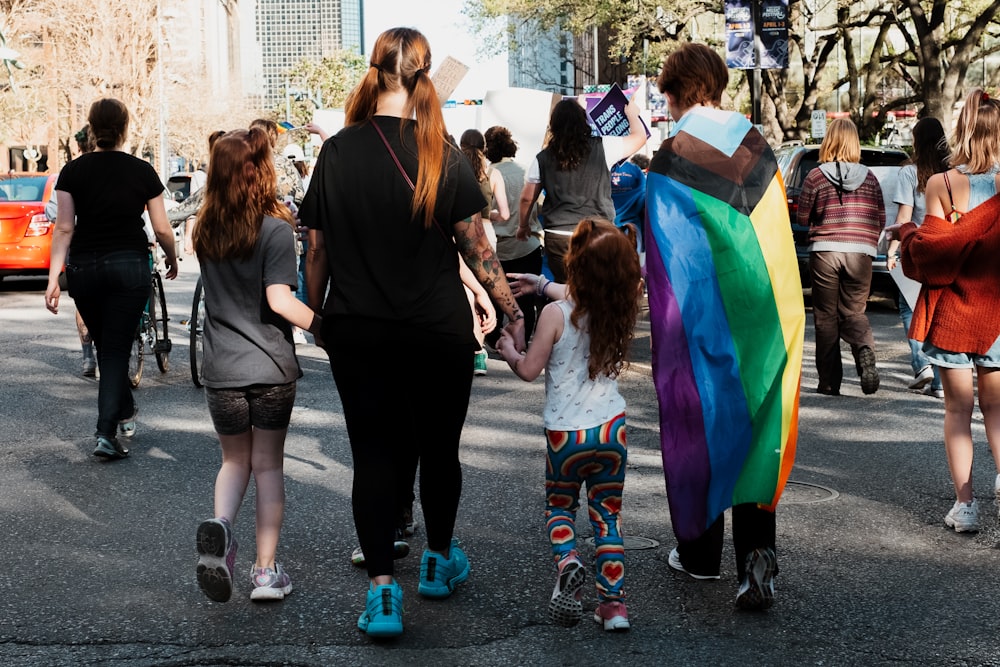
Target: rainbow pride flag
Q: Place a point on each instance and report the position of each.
(727, 318)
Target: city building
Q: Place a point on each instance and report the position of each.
(289, 31)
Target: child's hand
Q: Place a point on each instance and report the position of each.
(505, 345)
(522, 284)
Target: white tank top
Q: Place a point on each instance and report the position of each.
(573, 401)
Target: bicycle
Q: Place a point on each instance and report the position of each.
(196, 326)
(151, 333)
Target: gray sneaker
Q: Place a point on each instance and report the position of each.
(757, 588)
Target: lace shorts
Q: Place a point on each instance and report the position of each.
(234, 411)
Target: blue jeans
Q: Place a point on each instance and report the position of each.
(918, 360)
(111, 291)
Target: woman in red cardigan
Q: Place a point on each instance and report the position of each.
(953, 253)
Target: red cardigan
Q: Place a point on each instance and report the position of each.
(959, 266)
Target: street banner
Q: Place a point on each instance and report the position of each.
(740, 34)
(774, 34)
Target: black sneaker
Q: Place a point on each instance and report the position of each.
(867, 370)
(757, 589)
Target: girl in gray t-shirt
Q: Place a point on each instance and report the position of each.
(245, 242)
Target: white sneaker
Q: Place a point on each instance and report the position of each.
(923, 378)
(674, 561)
(963, 517)
(996, 489)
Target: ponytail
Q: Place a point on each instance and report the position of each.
(430, 131)
(977, 133)
(401, 58)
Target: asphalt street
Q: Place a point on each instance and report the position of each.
(99, 560)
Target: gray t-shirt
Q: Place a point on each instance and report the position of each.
(246, 343)
(906, 193)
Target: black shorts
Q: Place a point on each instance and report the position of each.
(235, 411)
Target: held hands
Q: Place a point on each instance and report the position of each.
(515, 330)
(523, 232)
(507, 348)
(522, 284)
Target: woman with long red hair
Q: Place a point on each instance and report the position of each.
(245, 242)
(388, 195)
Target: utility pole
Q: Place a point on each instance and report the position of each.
(757, 84)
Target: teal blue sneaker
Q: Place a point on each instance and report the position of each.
(383, 614)
(439, 576)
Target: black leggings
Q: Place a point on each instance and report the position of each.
(391, 416)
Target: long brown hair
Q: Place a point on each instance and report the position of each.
(570, 135)
(401, 58)
(930, 150)
(603, 279)
(239, 192)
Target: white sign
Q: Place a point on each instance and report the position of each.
(819, 123)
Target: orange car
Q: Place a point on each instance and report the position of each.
(25, 232)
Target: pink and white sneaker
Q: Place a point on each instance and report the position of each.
(613, 615)
(270, 584)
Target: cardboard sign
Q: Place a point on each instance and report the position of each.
(609, 114)
(447, 77)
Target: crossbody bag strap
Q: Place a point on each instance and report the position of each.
(406, 176)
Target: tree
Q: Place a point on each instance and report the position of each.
(321, 84)
(944, 40)
(633, 36)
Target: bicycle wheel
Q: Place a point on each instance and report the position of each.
(136, 357)
(158, 320)
(196, 325)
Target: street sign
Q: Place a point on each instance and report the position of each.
(819, 123)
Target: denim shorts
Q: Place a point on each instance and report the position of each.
(234, 411)
(948, 359)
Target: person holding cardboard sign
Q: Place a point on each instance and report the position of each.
(574, 170)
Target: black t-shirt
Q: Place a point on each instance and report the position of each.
(110, 190)
(389, 276)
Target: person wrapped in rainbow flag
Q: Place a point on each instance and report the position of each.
(727, 321)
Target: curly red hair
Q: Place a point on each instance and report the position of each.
(604, 282)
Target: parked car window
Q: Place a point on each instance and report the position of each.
(28, 188)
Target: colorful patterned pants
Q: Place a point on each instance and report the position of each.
(596, 456)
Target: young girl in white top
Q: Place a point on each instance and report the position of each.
(584, 413)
